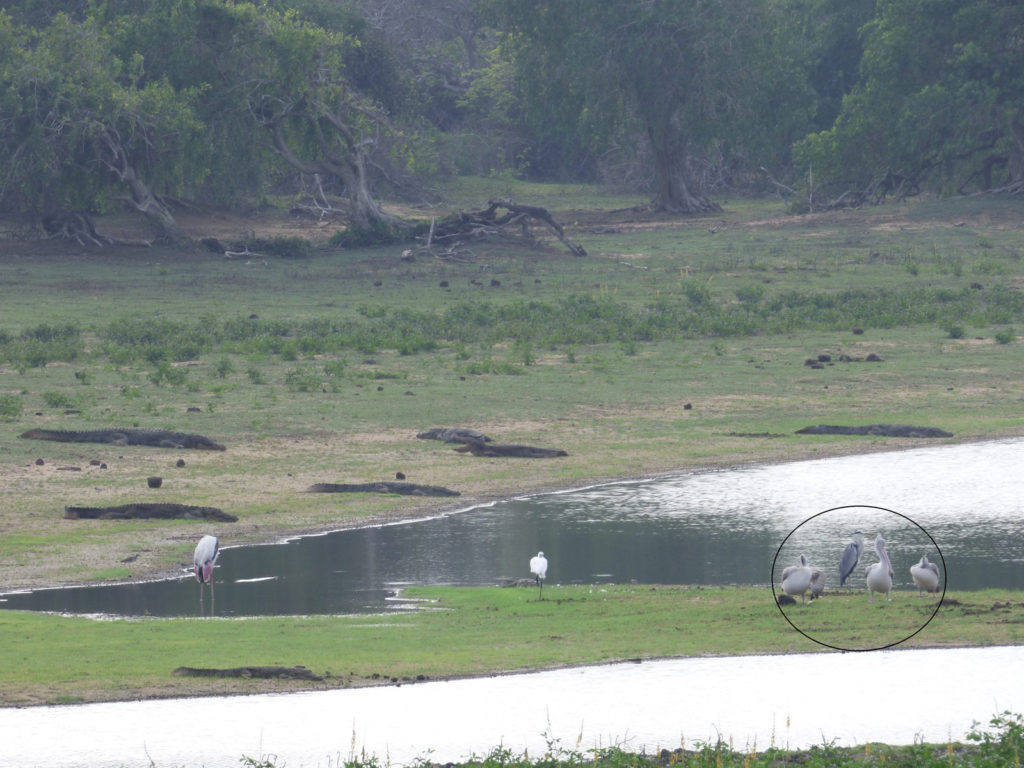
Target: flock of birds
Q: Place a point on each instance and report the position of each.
(804, 578)
(796, 579)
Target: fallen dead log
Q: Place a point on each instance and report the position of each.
(454, 435)
(157, 438)
(405, 489)
(878, 430)
(489, 223)
(289, 673)
(513, 451)
(157, 510)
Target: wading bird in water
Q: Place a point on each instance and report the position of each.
(851, 556)
(925, 575)
(205, 556)
(879, 576)
(539, 569)
(796, 579)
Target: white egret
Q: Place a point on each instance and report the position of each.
(879, 575)
(539, 569)
(796, 579)
(925, 575)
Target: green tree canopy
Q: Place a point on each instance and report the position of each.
(940, 102)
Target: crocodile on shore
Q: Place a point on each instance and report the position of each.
(158, 438)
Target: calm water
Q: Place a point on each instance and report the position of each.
(796, 701)
(701, 528)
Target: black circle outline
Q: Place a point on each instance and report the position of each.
(945, 579)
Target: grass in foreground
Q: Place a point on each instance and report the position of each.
(999, 745)
(479, 631)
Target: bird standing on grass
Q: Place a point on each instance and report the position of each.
(539, 569)
(879, 578)
(925, 575)
(851, 556)
(205, 556)
(796, 579)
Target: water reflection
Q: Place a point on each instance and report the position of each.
(701, 528)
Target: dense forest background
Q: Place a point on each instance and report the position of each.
(158, 104)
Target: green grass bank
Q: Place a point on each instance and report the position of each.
(466, 632)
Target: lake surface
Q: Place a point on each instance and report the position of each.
(895, 697)
(722, 527)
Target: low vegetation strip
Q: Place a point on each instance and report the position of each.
(481, 630)
(1000, 744)
(693, 312)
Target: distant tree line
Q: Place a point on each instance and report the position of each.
(156, 104)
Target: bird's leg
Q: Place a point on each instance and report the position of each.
(211, 596)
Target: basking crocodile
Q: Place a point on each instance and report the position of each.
(159, 438)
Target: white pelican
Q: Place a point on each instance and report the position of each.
(879, 576)
(925, 575)
(539, 569)
(205, 556)
(851, 556)
(796, 579)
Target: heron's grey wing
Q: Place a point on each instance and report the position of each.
(848, 563)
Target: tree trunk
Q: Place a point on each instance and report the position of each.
(673, 188)
(1015, 161)
(114, 156)
(158, 215)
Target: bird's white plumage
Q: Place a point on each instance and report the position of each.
(796, 579)
(205, 556)
(539, 566)
(879, 576)
(925, 575)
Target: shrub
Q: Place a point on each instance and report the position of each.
(10, 407)
(58, 400)
(1005, 337)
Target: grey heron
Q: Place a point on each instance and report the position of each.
(851, 556)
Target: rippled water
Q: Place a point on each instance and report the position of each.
(796, 701)
(697, 528)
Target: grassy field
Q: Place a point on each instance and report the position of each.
(678, 343)
(477, 631)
